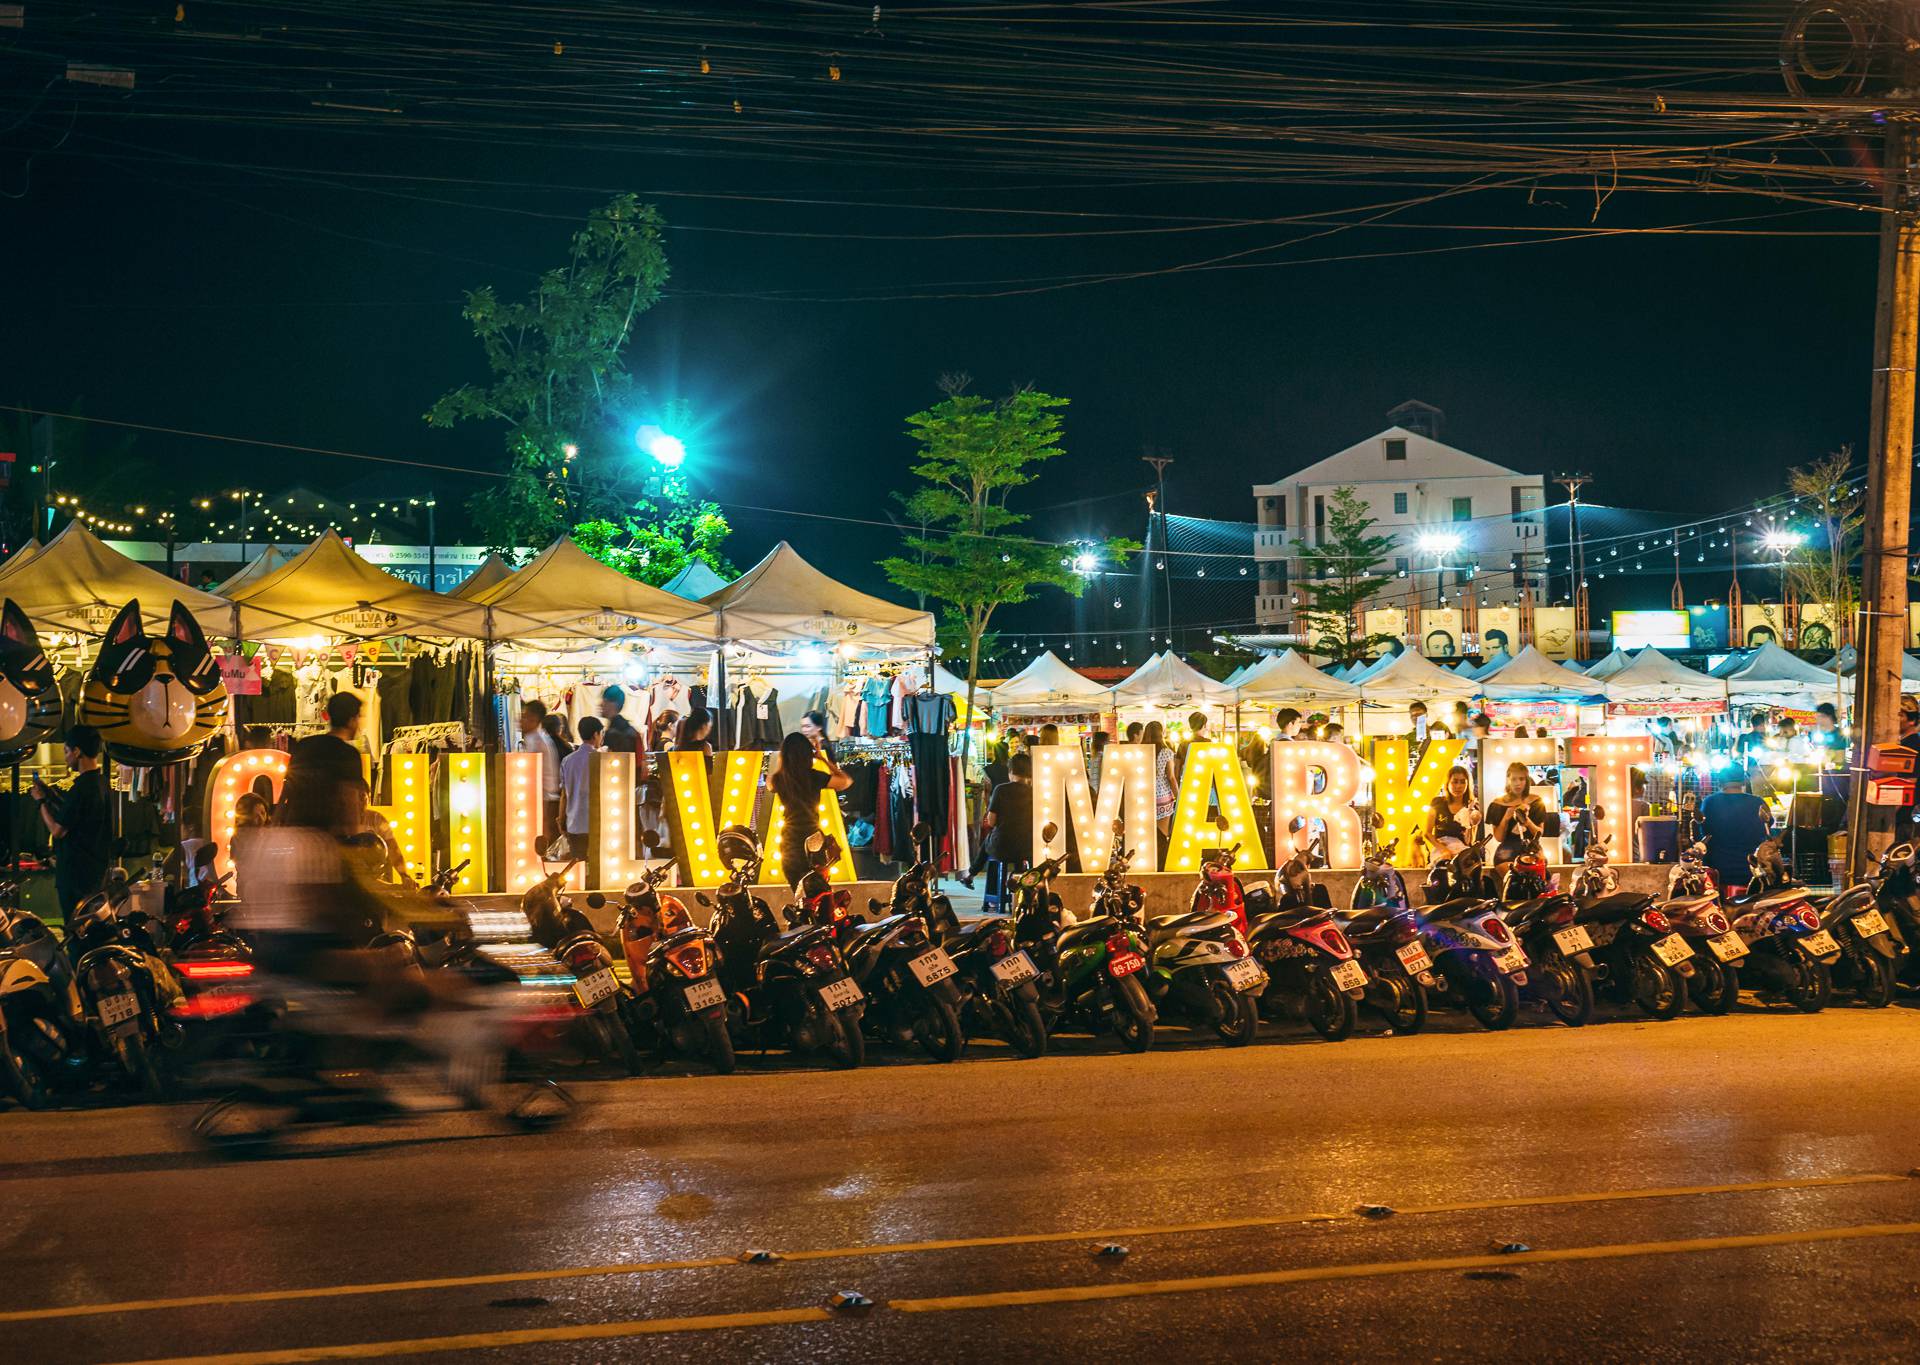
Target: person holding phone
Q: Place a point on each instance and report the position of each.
(1516, 815)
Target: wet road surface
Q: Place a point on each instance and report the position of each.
(1729, 1189)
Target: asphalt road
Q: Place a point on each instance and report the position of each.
(1725, 1189)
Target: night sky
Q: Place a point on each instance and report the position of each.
(264, 277)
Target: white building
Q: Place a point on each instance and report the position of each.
(1458, 519)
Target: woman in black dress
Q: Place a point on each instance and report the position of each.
(1453, 820)
(1515, 814)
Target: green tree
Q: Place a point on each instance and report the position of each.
(969, 552)
(560, 385)
(1338, 575)
(1822, 570)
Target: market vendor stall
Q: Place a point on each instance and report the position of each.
(1651, 684)
(327, 593)
(785, 599)
(20, 557)
(565, 597)
(270, 558)
(1168, 683)
(1773, 677)
(493, 570)
(1487, 667)
(77, 583)
(1410, 677)
(1049, 687)
(1602, 669)
(695, 581)
(1532, 675)
(1289, 680)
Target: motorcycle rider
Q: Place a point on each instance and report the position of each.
(1736, 823)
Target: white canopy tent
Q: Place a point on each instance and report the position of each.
(492, 570)
(695, 581)
(1168, 682)
(1603, 669)
(77, 583)
(270, 558)
(784, 598)
(1532, 675)
(566, 595)
(1289, 680)
(1411, 677)
(1047, 686)
(1652, 678)
(1488, 666)
(1773, 677)
(328, 591)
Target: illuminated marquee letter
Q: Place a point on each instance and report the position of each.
(232, 778)
(618, 857)
(1401, 800)
(409, 814)
(690, 811)
(1612, 761)
(523, 819)
(467, 821)
(1210, 769)
(1297, 766)
(831, 824)
(1061, 798)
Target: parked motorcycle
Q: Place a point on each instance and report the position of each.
(674, 964)
(607, 1020)
(1478, 963)
(908, 978)
(1383, 928)
(1313, 971)
(1865, 920)
(1199, 962)
(1694, 911)
(1090, 969)
(1639, 956)
(43, 1039)
(787, 987)
(1791, 955)
(126, 990)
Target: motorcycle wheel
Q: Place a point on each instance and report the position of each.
(1330, 1010)
(1569, 993)
(1873, 984)
(1715, 988)
(536, 1108)
(1239, 1016)
(849, 1046)
(240, 1127)
(1132, 1014)
(1406, 1007)
(138, 1063)
(1494, 1004)
(938, 1031)
(1658, 991)
(719, 1047)
(23, 1081)
(1812, 983)
(1025, 1027)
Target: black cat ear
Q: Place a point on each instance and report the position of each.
(190, 653)
(16, 629)
(126, 627)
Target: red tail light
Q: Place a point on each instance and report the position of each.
(222, 970)
(583, 955)
(213, 1006)
(1495, 928)
(842, 898)
(1807, 916)
(998, 943)
(1716, 922)
(823, 957)
(1656, 921)
(1237, 946)
(1119, 943)
(690, 958)
(183, 924)
(1337, 943)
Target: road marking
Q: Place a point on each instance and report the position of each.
(1307, 1274)
(532, 1336)
(907, 1248)
(478, 1341)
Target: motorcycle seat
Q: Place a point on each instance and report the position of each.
(1370, 920)
(1294, 917)
(1621, 905)
(961, 936)
(1101, 928)
(1163, 927)
(1457, 908)
(1684, 907)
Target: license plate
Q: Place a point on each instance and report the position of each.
(1413, 956)
(1728, 947)
(704, 995)
(1511, 961)
(117, 1009)
(1125, 964)
(1672, 950)
(1573, 940)
(1350, 976)
(1820, 943)
(1013, 969)
(1868, 923)
(595, 986)
(1244, 974)
(837, 995)
(931, 966)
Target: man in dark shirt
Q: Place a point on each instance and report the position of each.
(1009, 817)
(621, 737)
(80, 822)
(1736, 823)
(323, 769)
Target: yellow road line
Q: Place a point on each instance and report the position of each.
(532, 1336)
(907, 1248)
(476, 1341)
(1306, 1274)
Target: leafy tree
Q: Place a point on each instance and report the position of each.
(1337, 577)
(969, 553)
(561, 387)
(1822, 570)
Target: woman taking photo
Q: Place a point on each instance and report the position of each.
(1515, 814)
(1164, 791)
(696, 732)
(1453, 820)
(796, 784)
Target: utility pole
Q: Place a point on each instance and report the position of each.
(433, 549)
(1160, 463)
(1883, 38)
(1576, 558)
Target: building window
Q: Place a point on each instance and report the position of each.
(1463, 509)
(1400, 504)
(1400, 565)
(1396, 447)
(1319, 519)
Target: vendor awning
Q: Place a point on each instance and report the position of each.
(492, 570)
(784, 598)
(695, 581)
(77, 584)
(270, 558)
(328, 591)
(1652, 679)
(1533, 676)
(1167, 681)
(20, 557)
(1289, 680)
(1773, 675)
(1047, 686)
(565, 594)
(1605, 668)
(1488, 666)
(1410, 677)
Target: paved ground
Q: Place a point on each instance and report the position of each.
(1231, 1177)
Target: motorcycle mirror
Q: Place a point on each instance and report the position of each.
(1550, 827)
(1049, 832)
(650, 839)
(875, 903)
(596, 901)
(816, 841)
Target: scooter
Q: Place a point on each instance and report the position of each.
(1199, 962)
(1383, 928)
(607, 1019)
(1638, 955)
(1791, 955)
(126, 990)
(1561, 970)
(1864, 919)
(1476, 959)
(1694, 911)
(674, 965)
(788, 986)
(1090, 970)
(43, 1038)
(1314, 972)
(907, 976)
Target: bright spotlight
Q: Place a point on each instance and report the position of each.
(1439, 542)
(1085, 562)
(1781, 540)
(664, 446)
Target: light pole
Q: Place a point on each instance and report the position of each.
(1783, 542)
(1439, 544)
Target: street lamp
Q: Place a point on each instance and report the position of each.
(1783, 543)
(666, 448)
(1439, 544)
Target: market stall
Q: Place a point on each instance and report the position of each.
(695, 581)
(1287, 679)
(1049, 688)
(1166, 688)
(1770, 676)
(1652, 684)
(1533, 690)
(270, 558)
(1604, 668)
(492, 570)
(77, 583)
(1487, 667)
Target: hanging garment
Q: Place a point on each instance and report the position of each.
(877, 699)
(847, 709)
(929, 713)
(767, 720)
(746, 722)
(930, 775)
(883, 815)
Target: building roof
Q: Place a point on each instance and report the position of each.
(1421, 450)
